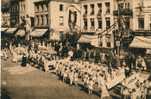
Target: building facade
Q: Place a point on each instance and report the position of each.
(142, 15)
(26, 7)
(41, 14)
(87, 16)
(97, 16)
(5, 16)
(54, 15)
(60, 18)
(14, 13)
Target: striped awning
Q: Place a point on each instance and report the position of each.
(3, 29)
(87, 38)
(37, 0)
(20, 33)
(38, 32)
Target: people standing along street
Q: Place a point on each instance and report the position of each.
(24, 61)
(140, 63)
(131, 61)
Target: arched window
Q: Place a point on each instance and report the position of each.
(45, 19)
(36, 20)
(45, 7)
(40, 8)
(40, 20)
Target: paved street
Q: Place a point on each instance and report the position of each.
(30, 83)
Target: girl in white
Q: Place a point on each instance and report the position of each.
(76, 78)
(46, 65)
(104, 92)
(71, 77)
(90, 86)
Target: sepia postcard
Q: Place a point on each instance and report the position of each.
(75, 49)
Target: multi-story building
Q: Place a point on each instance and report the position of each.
(14, 13)
(41, 13)
(96, 14)
(54, 15)
(136, 13)
(142, 15)
(97, 17)
(5, 15)
(26, 7)
(89, 16)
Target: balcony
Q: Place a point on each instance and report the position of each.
(125, 12)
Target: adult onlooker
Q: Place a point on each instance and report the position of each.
(24, 60)
(140, 63)
(131, 61)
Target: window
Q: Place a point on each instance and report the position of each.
(92, 23)
(24, 7)
(108, 40)
(127, 5)
(44, 19)
(121, 5)
(100, 9)
(61, 7)
(127, 22)
(61, 20)
(45, 7)
(140, 23)
(47, 18)
(85, 24)
(61, 34)
(92, 9)
(100, 23)
(100, 41)
(39, 20)
(85, 9)
(107, 23)
(107, 4)
(36, 8)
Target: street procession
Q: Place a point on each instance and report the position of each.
(99, 48)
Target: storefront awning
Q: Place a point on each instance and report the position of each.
(141, 42)
(37, 0)
(95, 42)
(87, 38)
(20, 33)
(55, 36)
(11, 30)
(3, 29)
(38, 32)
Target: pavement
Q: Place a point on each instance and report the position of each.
(31, 83)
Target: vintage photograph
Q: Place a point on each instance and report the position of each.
(75, 49)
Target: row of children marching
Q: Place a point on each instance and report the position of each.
(92, 77)
(139, 90)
